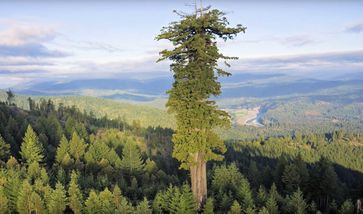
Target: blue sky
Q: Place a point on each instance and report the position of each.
(60, 40)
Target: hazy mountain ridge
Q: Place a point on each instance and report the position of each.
(264, 86)
(289, 102)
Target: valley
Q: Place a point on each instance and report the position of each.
(257, 105)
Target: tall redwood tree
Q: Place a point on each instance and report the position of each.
(195, 66)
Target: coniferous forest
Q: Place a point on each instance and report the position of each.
(58, 159)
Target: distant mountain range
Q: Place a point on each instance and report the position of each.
(240, 85)
(289, 102)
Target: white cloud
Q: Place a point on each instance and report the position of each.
(354, 28)
(327, 63)
(20, 35)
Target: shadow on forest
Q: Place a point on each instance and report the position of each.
(349, 182)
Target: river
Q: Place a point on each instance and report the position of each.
(258, 119)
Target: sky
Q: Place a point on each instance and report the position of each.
(67, 40)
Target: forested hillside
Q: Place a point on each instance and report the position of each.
(141, 114)
(247, 109)
(58, 159)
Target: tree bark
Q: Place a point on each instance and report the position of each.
(198, 175)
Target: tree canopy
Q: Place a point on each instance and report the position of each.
(195, 60)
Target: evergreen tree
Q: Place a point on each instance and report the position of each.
(208, 207)
(180, 200)
(296, 203)
(93, 204)
(271, 205)
(62, 150)
(195, 66)
(100, 154)
(131, 160)
(77, 147)
(12, 163)
(263, 210)
(291, 178)
(229, 184)
(12, 188)
(347, 207)
(121, 204)
(58, 200)
(24, 203)
(10, 97)
(37, 204)
(253, 174)
(323, 182)
(31, 104)
(34, 170)
(3, 201)
(31, 149)
(105, 199)
(245, 195)
(4, 150)
(275, 194)
(261, 196)
(117, 197)
(235, 208)
(124, 207)
(250, 210)
(143, 207)
(75, 194)
(159, 203)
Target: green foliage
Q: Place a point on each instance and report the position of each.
(245, 195)
(99, 153)
(12, 188)
(208, 207)
(271, 205)
(3, 201)
(72, 126)
(4, 150)
(195, 66)
(263, 210)
(62, 151)
(291, 178)
(347, 207)
(326, 181)
(143, 207)
(261, 196)
(58, 200)
(296, 203)
(77, 147)
(33, 170)
(101, 108)
(105, 199)
(159, 203)
(24, 203)
(75, 195)
(229, 181)
(31, 149)
(235, 208)
(131, 158)
(93, 204)
(37, 203)
(117, 197)
(323, 179)
(175, 200)
(124, 207)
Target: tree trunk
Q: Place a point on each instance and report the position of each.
(198, 174)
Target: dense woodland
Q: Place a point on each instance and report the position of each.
(59, 159)
(56, 159)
